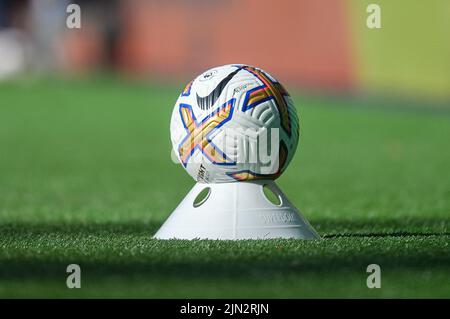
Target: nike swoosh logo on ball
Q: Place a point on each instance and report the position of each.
(208, 101)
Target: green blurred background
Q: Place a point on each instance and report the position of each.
(85, 169)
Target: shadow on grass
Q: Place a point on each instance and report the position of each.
(388, 234)
(348, 245)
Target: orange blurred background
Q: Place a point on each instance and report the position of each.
(309, 44)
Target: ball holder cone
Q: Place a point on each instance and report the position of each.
(239, 210)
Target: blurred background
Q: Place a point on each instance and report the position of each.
(312, 45)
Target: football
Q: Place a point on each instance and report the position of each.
(234, 123)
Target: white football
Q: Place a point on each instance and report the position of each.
(234, 123)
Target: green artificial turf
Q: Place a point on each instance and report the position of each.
(86, 178)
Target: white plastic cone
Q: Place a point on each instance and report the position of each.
(237, 210)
